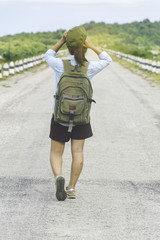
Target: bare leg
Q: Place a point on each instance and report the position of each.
(57, 149)
(77, 161)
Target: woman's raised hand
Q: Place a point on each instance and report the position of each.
(64, 36)
(60, 43)
(88, 43)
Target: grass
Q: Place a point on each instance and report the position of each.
(149, 76)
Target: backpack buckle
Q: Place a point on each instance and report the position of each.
(76, 67)
(56, 96)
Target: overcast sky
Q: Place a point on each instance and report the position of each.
(50, 15)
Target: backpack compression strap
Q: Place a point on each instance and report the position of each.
(71, 117)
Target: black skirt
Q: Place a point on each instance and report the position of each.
(60, 133)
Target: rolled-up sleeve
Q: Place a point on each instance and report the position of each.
(53, 62)
(96, 66)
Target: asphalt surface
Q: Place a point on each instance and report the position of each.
(118, 193)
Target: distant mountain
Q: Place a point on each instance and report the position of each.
(136, 38)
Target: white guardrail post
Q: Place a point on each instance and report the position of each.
(146, 64)
(11, 68)
(6, 70)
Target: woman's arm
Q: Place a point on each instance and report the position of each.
(50, 55)
(60, 43)
(96, 66)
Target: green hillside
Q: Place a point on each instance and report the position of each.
(136, 38)
(23, 45)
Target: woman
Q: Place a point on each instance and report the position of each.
(77, 43)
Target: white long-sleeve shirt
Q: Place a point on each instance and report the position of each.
(94, 67)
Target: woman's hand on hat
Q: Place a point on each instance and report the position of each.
(60, 43)
(88, 43)
(64, 36)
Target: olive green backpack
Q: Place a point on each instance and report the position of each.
(74, 96)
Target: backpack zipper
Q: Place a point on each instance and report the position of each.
(74, 87)
(77, 99)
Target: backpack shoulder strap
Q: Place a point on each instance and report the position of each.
(69, 68)
(84, 68)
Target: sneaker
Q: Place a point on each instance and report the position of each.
(61, 194)
(71, 193)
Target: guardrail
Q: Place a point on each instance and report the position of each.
(12, 68)
(146, 64)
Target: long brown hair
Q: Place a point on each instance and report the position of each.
(79, 54)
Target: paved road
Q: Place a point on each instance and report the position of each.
(118, 193)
